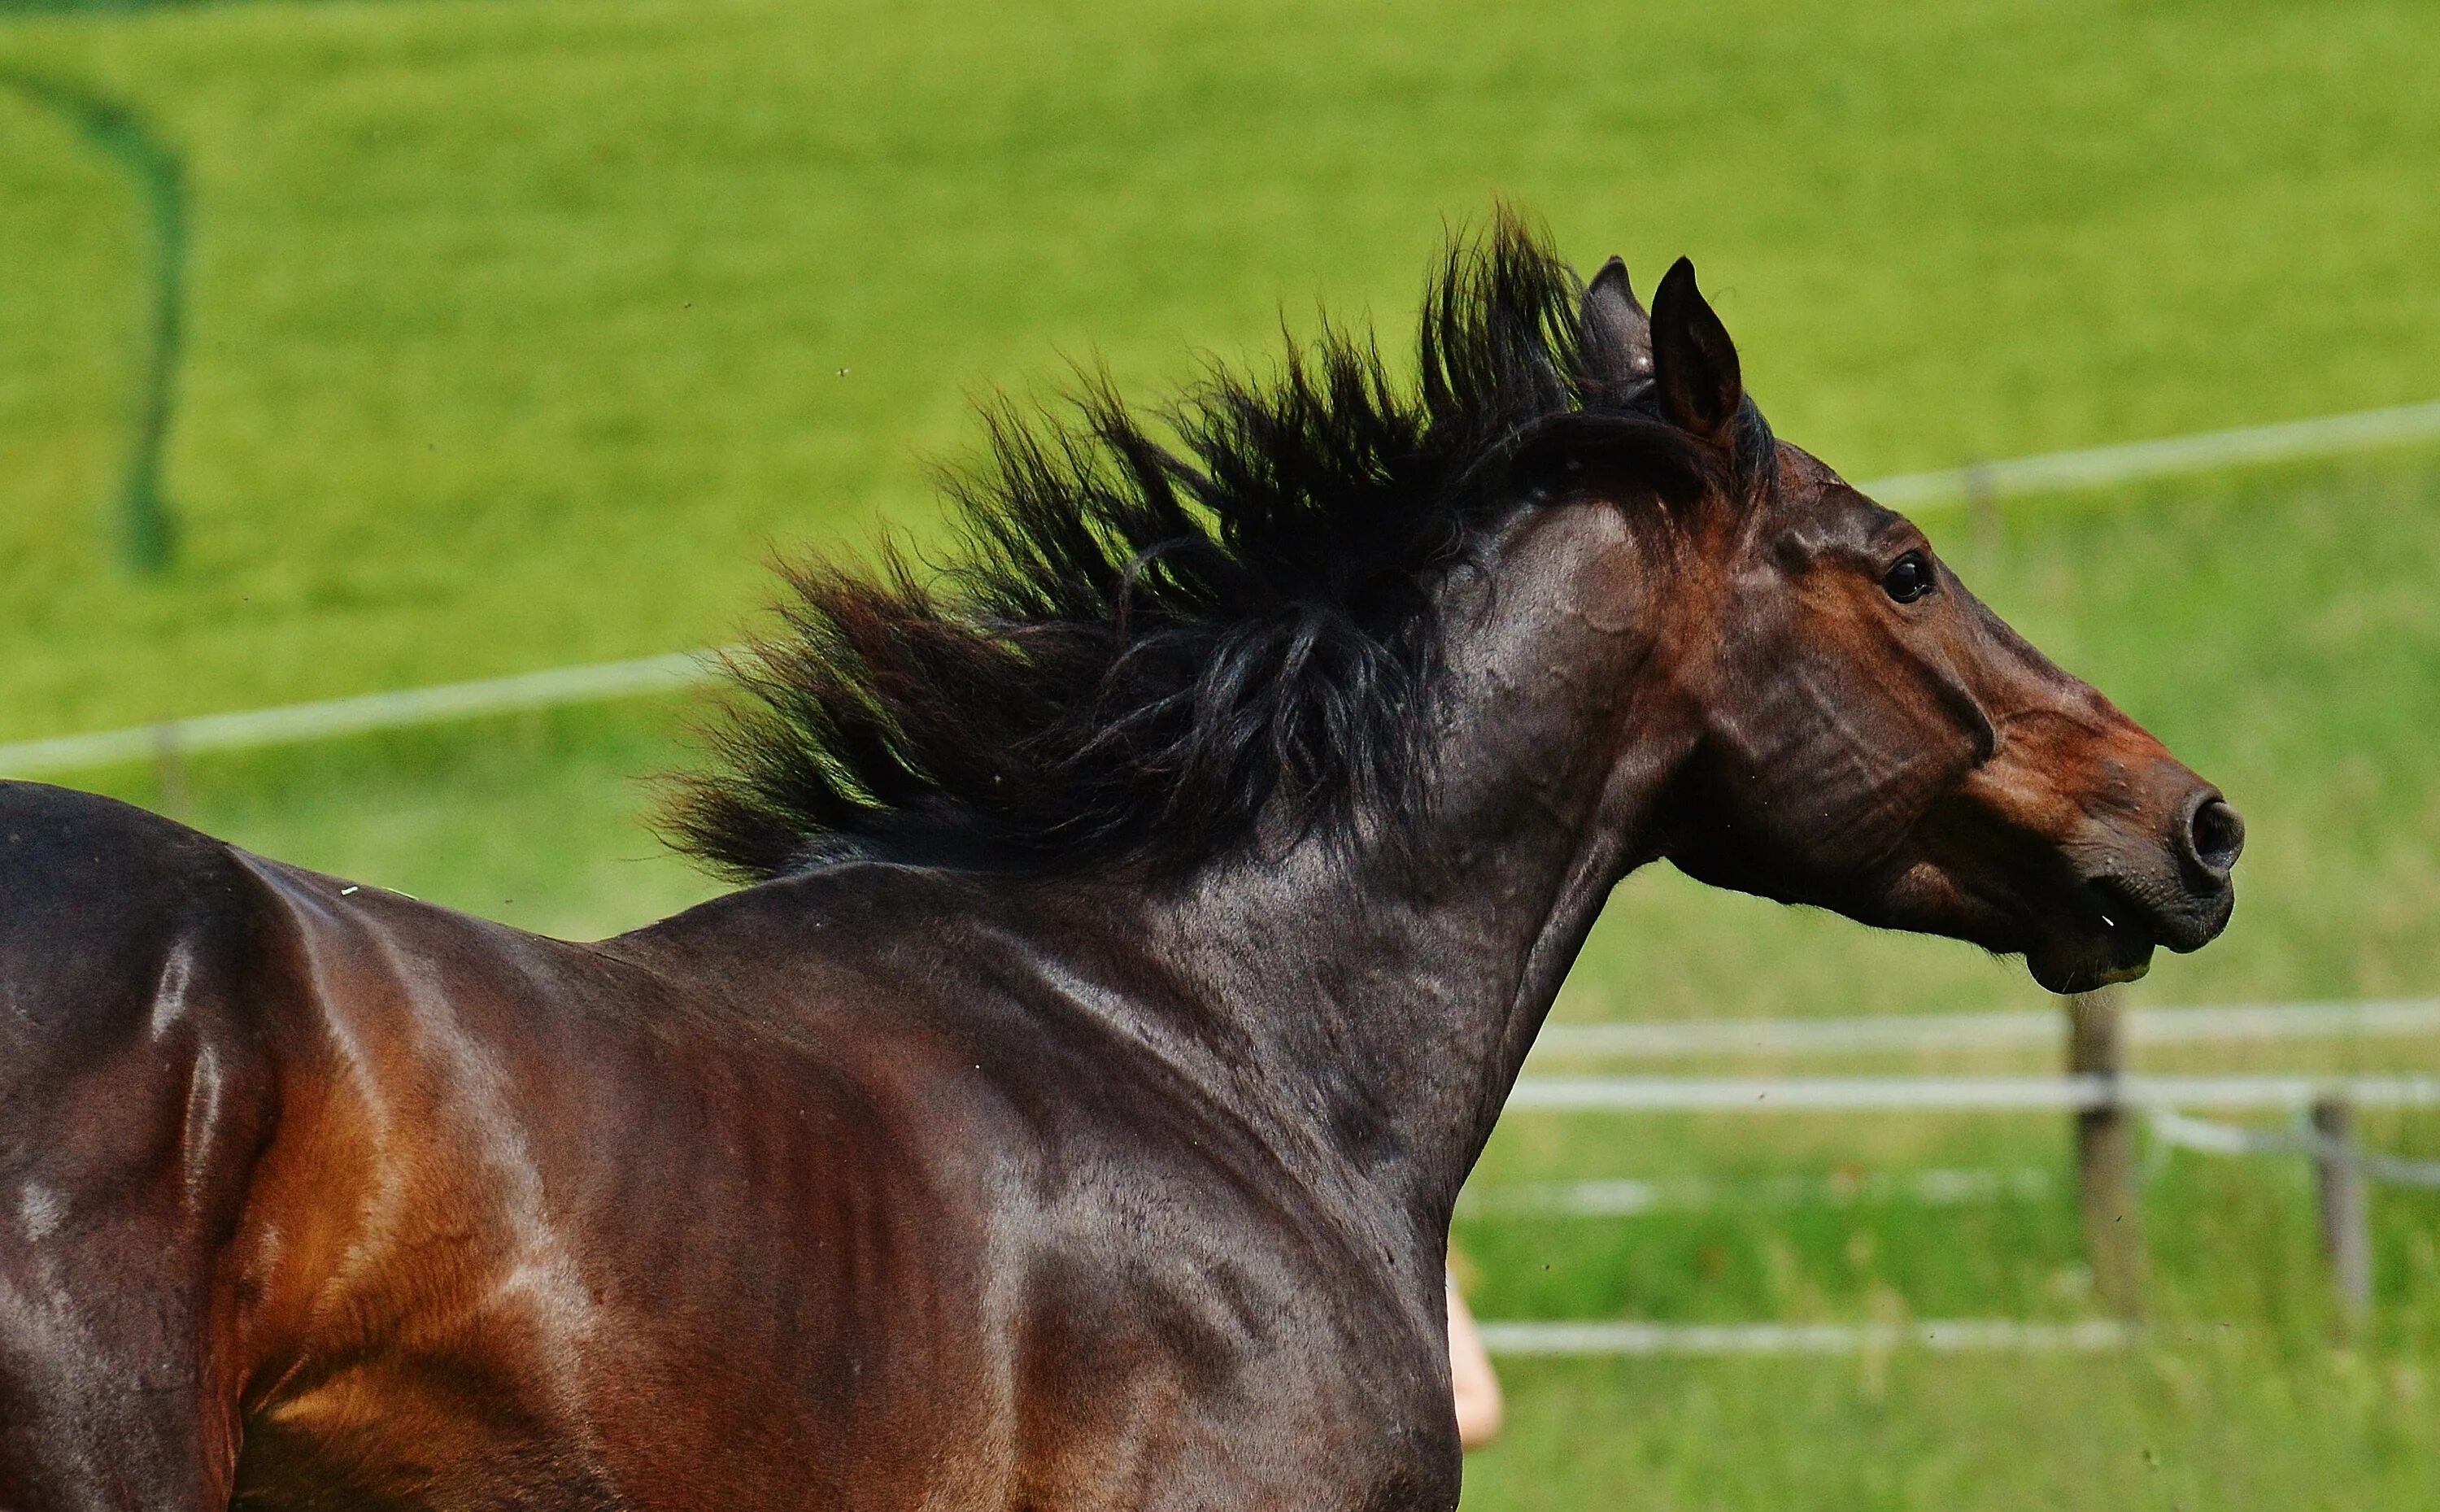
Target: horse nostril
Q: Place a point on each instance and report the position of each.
(2214, 836)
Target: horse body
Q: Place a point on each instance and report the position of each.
(788, 1201)
(1071, 1112)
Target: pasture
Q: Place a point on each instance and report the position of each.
(520, 331)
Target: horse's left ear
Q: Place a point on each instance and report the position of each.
(1693, 362)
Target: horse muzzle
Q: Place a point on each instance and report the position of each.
(2169, 888)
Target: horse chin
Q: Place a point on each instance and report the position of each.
(2099, 953)
(2072, 942)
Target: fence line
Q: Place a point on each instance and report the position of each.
(1630, 1197)
(2188, 1133)
(349, 716)
(2084, 468)
(1947, 1336)
(2253, 1022)
(1873, 1094)
(2090, 467)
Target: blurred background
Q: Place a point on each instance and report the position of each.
(489, 339)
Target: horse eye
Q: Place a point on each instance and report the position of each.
(1910, 578)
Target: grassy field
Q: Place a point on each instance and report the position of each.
(521, 331)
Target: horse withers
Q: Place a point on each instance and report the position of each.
(1142, 926)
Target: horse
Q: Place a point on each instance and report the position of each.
(1143, 913)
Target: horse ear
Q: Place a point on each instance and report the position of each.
(1693, 362)
(1617, 334)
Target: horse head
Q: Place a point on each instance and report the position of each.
(1871, 737)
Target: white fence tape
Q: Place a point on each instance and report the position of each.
(349, 716)
(1949, 1336)
(1984, 1094)
(2184, 1132)
(2095, 466)
(2395, 1171)
(2086, 468)
(1628, 1197)
(2252, 1022)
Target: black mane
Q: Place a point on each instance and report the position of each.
(1146, 646)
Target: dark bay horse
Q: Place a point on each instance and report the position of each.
(1147, 918)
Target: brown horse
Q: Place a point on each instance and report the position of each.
(1145, 928)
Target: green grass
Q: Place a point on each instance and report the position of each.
(518, 329)
(518, 335)
(2203, 1425)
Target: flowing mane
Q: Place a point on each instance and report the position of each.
(1144, 647)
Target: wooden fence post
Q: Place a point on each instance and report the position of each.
(2104, 1157)
(2347, 1227)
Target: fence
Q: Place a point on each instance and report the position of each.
(1957, 1094)
(1791, 1037)
(1949, 1336)
(172, 740)
(2105, 1100)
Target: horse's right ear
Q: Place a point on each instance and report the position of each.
(1617, 334)
(1693, 362)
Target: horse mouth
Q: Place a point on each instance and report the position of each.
(2106, 941)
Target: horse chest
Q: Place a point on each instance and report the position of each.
(1227, 1386)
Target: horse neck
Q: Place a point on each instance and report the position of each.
(1392, 985)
